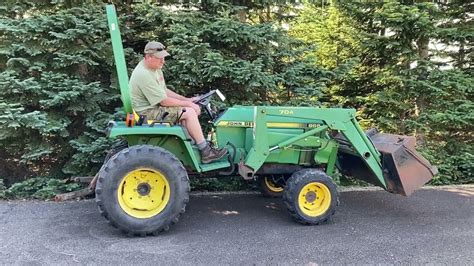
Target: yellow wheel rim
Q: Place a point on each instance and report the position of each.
(314, 199)
(143, 193)
(272, 186)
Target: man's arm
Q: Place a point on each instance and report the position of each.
(172, 94)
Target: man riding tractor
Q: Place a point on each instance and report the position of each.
(151, 98)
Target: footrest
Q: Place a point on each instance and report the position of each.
(215, 165)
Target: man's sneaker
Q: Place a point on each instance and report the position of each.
(210, 154)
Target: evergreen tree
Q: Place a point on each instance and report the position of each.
(405, 65)
(58, 78)
(55, 89)
(409, 92)
(456, 33)
(251, 63)
(335, 45)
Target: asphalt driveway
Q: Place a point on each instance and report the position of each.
(431, 226)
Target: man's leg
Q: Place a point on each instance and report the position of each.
(191, 123)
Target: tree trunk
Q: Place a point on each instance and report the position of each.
(420, 100)
(242, 15)
(461, 55)
(269, 13)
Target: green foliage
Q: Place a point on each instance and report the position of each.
(391, 60)
(56, 94)
(250, 63)
(395, 78)
(59, 82)
(40, 188)
(330, 32)
(456, 29)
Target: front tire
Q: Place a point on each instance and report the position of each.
(142, 190)
(311, 196)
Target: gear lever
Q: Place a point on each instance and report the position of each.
(165, 114)
(179, 117)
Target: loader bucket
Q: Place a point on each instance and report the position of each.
(404, 169)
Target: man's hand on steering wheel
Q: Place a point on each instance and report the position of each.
(204, 101)
(194, 99)
(204, 98)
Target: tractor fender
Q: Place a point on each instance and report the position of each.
(172, 138)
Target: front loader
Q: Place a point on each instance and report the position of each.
(143, 186)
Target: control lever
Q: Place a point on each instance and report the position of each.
(179, 117)
(165, 114)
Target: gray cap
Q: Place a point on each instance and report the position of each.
(156, 48)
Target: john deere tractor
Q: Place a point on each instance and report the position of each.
(143, 186)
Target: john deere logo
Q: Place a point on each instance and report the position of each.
(269, 124)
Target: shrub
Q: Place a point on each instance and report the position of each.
(40, 188)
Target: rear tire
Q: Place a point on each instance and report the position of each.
(311, 196)
(116, 147)
(142, 190)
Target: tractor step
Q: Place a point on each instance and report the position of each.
(214, 165)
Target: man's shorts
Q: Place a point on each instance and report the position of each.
(157, 113)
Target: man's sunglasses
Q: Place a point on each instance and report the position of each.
(157, 50)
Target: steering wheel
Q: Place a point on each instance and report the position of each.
(205, 101)
(205, 98)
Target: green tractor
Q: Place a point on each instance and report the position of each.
(143, 186)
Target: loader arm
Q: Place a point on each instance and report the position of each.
(342, 120)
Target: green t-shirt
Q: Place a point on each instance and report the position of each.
(147, 87)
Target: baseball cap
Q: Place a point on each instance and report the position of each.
(156, 48)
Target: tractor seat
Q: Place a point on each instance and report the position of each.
(149, 122)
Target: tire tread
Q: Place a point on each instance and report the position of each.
(290, 195)
(167, 158)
